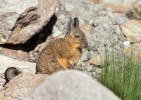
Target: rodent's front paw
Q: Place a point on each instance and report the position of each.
(71, 65)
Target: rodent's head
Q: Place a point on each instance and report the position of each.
(75, 35)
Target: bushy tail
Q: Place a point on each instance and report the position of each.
(10, 73)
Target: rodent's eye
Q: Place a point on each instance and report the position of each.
(76, 36)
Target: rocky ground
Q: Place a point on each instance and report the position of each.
(24, 32)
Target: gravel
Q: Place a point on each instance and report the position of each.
(105, 31)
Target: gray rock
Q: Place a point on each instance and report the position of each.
(9, 62)
(69, 7)
(21, 86)
(109, 10)
(71, 85)
(20, 20)
(120, 19)
(105, 26)
(84, 56)
(80, 8)
(126, 43)
(56, 33)
(131, 30)
(119, 5)
(5, 62)
(117, 30)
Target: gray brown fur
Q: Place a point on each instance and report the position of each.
(10, 73)
(67, 48)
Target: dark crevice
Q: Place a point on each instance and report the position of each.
(131, 15)
(40, 37)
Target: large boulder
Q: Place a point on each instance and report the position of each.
(21, 86)
(21, 19)
(71, 85)
(5, 62)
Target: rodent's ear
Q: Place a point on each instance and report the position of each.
(76, 22)
(69, 25)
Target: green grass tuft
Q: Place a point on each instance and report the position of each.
(122, 76)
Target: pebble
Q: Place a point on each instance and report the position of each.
(69, 7)
(56, 33)
(126, 43)
(120, 19)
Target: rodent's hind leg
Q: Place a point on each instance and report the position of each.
(63, 62)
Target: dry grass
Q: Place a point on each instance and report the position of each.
(135, 10)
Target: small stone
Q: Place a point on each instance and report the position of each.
(94, 74)
(133, 50)
(119, 5)
(120, 19)
(84, 56)
(117, 29)
(87, 28)
(91, 22)
(62, 18)
(91, 54)
(97, 60)
(69, 7)
(132, 30)
(102, 13)
(89, 68)
(56, 33)
(109, 10)
(106, 26)
(126, 43)
(119, 33)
